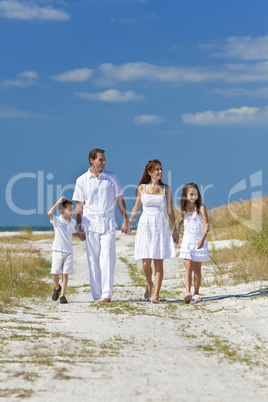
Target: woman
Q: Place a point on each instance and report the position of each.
(153, 239)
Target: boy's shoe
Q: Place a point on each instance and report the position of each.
(187, 298)
(56, 293)
(63, 300)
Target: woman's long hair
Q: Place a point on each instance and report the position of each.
(146, 178)
(198, 202)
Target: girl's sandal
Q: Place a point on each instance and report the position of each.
(187, 298)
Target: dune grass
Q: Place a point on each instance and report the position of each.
(249, 262)
(26, 235)
(21, 275)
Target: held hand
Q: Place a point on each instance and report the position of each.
(81, 233)
(82, 236)
(176, 237)
(129, 227)
(126, 227)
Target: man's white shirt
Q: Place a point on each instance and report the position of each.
(98, 196)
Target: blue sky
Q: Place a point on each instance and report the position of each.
(183, 81)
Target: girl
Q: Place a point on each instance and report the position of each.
(153, 239)
(194, 247)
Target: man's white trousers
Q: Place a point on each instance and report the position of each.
(101, 256)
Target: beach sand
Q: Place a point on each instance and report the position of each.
(133, 350)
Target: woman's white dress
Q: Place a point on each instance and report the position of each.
(153, 238)
(193, 231)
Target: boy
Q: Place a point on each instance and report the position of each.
(62, 248)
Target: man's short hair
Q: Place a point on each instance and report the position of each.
(93, 154)
(64, 204)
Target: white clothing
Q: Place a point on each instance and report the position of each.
(63, 234)
(153, 238)
(101, 256)
(193, 232)
(62, 263)
(98, 221)
(98, 196)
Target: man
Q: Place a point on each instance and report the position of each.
(95, 194)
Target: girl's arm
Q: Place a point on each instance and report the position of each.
(137, 207)
(171, 215)
(204, 214)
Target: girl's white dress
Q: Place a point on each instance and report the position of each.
(153, 238)
(193, 231)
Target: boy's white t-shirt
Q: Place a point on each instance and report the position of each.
(63, 234)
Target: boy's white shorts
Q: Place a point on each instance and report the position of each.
(62, 263)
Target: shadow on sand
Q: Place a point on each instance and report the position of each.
(255, 293)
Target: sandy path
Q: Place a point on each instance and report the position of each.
(132, 350)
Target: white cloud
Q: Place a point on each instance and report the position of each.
(9, 112)
(22, 80)
(77, 75)
(28, 74)
(242, 115)
(242, 72)
(247, 72)
(148, 119)
(27, 10)
(233, 92)
(112, 95)
(144, 71)
(245, 48)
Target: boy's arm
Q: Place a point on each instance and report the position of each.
(53, 209)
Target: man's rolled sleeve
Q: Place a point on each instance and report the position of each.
(79, 194)
(117, 187)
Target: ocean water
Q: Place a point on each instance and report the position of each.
(34, 228)
(23, 228)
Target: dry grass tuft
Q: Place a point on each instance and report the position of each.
(21, 275)
(26, 235)
(249, 262)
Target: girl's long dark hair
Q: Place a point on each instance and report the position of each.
(146, 178)
(198, 202)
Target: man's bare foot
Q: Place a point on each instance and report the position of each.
(106, 300)
(155, 300)
(98, 300)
